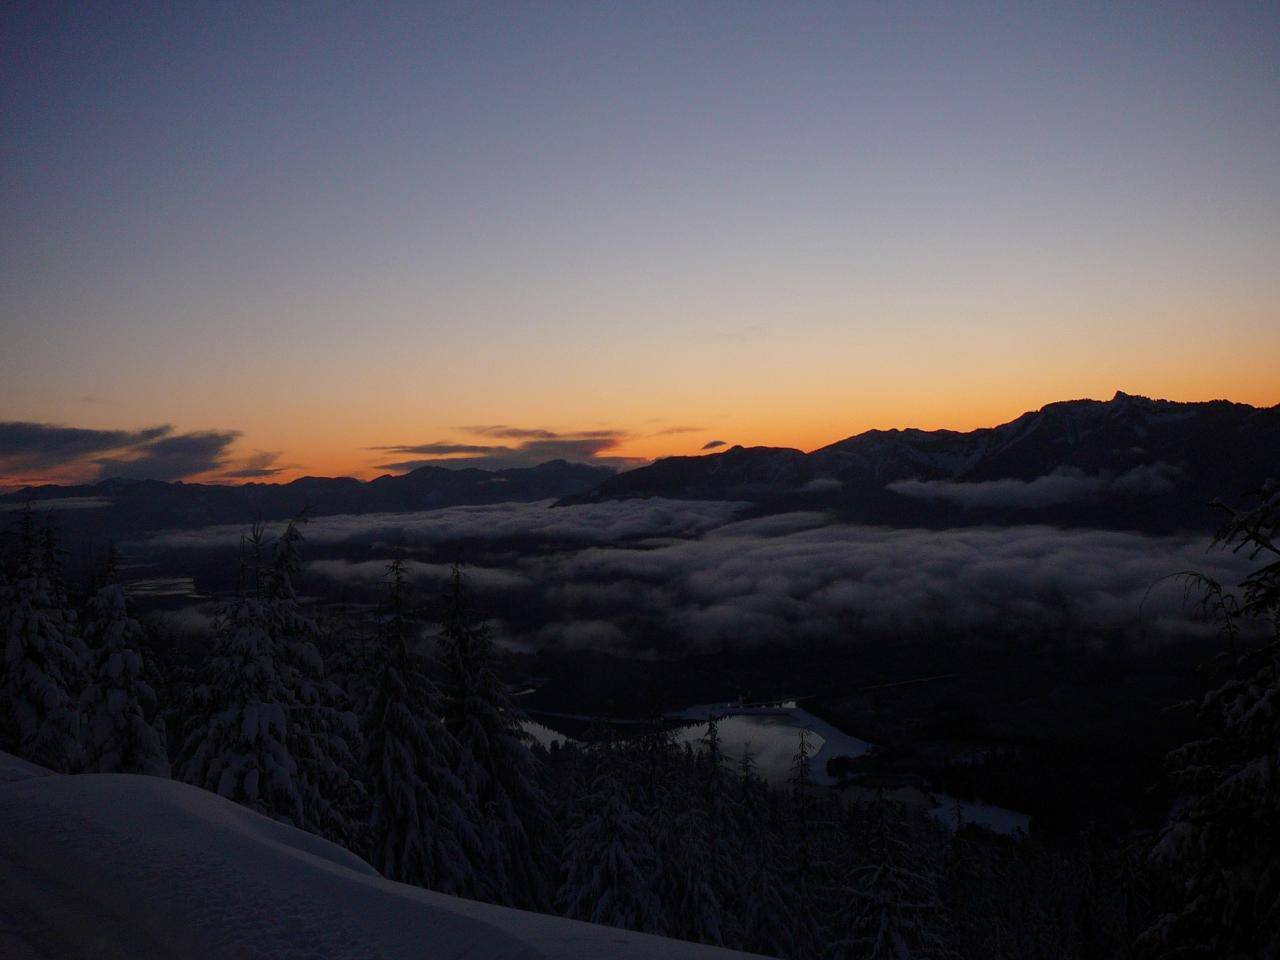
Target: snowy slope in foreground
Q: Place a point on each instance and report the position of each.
(108, 866)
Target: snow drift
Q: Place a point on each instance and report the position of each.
(112, 865)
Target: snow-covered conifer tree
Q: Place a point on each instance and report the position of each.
(236, 742)
(800, 777)
(766, 916)
(124, 732)
(323, 734)
(267, 730)
(701, 848)
(42, 658)
(422, 829)
(609, 864)
(1223, 838)
(494, 761)
(682, 839)
(891, 908)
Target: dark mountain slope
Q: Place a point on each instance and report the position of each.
(135, 506)
(1130, 462)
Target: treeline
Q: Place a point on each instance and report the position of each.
(429, 778)
(414, 756)
(682, 841)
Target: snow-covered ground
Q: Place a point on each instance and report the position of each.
(115, 866)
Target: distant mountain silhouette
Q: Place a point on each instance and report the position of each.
(134, 506)
(1130, 461)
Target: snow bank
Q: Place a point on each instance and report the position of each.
(111, 865)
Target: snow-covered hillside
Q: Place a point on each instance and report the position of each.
(111, 865)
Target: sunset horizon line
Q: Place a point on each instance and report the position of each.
(601, 446)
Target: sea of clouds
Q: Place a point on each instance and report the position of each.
(698, 576)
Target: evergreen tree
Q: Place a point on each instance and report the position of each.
(1041, 887)
(236, 741)
(892, 910)
(976, 895)
(768, 922)
(124, 732)
(609, 863)
(267, 730)
(766, 913)
(422, 828)
(800, 779)
(323, 732)
(808, 866)
(42, 658)
(708, 850)
(494, 761)
(684, 838)
(1223, 839)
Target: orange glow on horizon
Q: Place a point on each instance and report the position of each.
(804, 434)
(320, 435)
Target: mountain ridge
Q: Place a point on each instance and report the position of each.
(1129, 461)
(127, 507)
(1070, 461)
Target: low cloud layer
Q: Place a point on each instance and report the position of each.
(795, 578)
(374, 573)
(670, 576)
(61, 503)
(535, 446)
(591, 523)
(1064, 485)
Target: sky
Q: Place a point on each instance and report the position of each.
(256, 241)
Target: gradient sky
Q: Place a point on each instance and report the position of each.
(337, 227)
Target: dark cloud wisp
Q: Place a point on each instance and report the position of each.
(535, 446)
(26, 446)
(504, 432)
(150, 453)
(172, 458)
(443, 448)
(260, 465)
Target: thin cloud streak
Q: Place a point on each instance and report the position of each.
(594, 523)
(1064, 485)
(260, 465)
(537, 446)
(504, 432)
(673, 431)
